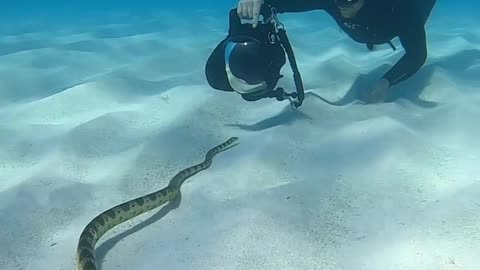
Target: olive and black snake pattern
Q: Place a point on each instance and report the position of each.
(130, 209)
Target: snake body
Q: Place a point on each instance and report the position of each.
(130, 209)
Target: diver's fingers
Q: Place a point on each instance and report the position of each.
(255, 12)
(257, 4)
(241, 9)
(250, 10)
(246, 7)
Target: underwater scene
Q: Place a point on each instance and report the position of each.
(240, 134)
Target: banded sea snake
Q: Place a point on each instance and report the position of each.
(130, 209)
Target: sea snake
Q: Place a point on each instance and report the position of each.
(130, 209)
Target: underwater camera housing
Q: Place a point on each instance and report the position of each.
(248, 61)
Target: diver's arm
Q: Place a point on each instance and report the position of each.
(250, 9)
(282, 6)
(414, 42)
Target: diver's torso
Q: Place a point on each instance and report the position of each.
(378, 22)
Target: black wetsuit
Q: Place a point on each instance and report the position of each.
(378, 22)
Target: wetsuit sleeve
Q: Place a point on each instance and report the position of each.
(414, 42)
(296, 5)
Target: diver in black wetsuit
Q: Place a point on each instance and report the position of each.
(371, 22)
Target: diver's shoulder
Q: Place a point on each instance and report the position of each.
(403, 6)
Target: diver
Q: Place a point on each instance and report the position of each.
(372, 22)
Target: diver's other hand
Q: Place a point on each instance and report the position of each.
(250, 9)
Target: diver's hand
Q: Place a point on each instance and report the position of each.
(250, 9)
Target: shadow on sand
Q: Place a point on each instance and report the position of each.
(458, 65)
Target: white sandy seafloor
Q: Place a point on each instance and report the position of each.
(96, 114)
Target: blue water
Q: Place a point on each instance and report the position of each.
(78, 10)
(18, 17)
(49, 13)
